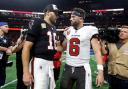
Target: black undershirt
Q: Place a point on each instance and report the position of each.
(119, 45)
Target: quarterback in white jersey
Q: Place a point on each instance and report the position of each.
(79, 38)
(78, 45)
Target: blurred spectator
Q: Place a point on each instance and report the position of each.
(4, 50)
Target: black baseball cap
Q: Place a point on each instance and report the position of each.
(52, 8)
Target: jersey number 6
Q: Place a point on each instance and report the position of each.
(74, 47)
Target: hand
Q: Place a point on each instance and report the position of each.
(57, 55)
(19, 41)
(99, 78)
(57, 64)
(27, 79)
(58, 43)
(59, 46)
(9, 51)
(66, 28)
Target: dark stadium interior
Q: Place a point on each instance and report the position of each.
(38, 5)
(22, 9)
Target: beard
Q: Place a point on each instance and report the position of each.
(53, 21)
(74, 24)
(5, 31)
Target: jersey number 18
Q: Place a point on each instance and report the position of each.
(52, 41)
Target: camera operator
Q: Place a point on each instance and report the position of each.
(109, 34)
(118, 60)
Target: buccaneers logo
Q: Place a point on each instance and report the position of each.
(68, 32)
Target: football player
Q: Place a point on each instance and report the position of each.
(42, 39)
(79, 39)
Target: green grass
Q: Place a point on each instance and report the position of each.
(93, 69)
(11, 74)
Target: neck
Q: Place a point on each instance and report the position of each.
(48, 21)
(1, 33)
(124, 41)
(79, 26)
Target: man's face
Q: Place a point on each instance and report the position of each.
(75, 20)
(53, 17)
(4, 28)
(123, 33)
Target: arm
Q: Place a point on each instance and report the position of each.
(3, 49)
(27, 77)
(59, 47)
(64, 44)
(16, 47)
(97, 50)
(19, 45)
(103, 47)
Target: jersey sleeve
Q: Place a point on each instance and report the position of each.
(66, 31)
(94, 31)
(33, 33)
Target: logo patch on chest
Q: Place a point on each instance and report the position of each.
(68, 32)
(43, 25)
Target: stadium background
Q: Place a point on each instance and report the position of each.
(101, 13)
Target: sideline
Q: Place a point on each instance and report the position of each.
(8, 84)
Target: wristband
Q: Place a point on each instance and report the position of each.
(100, 67)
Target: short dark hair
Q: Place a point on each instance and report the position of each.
(79, 12)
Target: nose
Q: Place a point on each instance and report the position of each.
(70, 19)
(7, 28)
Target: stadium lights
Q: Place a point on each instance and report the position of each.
(17, 29)
(41, 13)
(107, 10)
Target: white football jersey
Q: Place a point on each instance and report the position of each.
(78, 44)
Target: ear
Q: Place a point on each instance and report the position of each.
(81, 18)
(48, 13)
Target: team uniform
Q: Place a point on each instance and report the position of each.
(4, 42)
(77, 66)
(44, 38)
